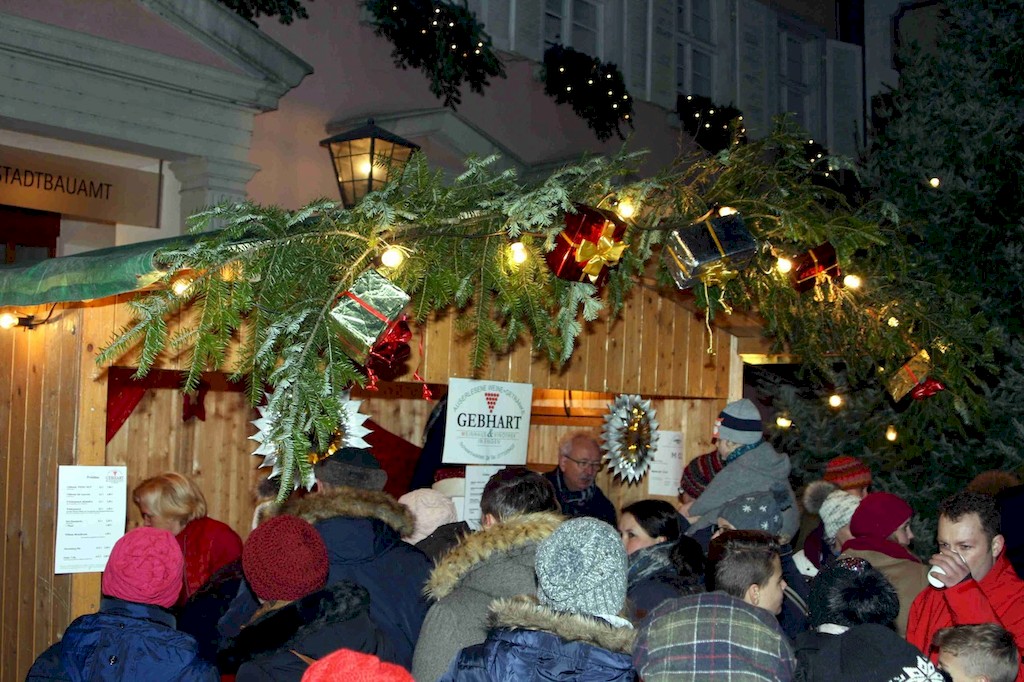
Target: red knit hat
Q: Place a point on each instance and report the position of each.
(849, 473)
(352, 666)
(879, 515)
(285, 559)
(699, 472)
(145, 566)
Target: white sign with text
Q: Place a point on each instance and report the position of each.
(91, 506)
(667, 465)
(476, 478)
(488, 422)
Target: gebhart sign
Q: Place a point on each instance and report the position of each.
(488, 422)
(78, 189)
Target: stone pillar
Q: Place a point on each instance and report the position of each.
(206, 182)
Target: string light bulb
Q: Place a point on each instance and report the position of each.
(518, 253)
(835, 400)
(727, 210)
(181, 286)
(8, 321)
(935, 182)
(784, 265)
(392, 257)
(625, 209)
(853, 281)
(893, 322)
(890, 433)
(783, 422)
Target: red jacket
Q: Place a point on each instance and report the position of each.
(207, 545)
(997, 598)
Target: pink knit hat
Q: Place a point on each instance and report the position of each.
(431, 509)
(352, 666)
(145, 566)
(849, 473)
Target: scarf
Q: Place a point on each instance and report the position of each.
(649, 561)
(886, 547)
(741, 450)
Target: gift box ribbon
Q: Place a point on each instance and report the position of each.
(596, 255)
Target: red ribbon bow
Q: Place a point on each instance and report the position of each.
(389, 353)
(926, 389)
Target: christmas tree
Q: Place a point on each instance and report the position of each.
(948, 156)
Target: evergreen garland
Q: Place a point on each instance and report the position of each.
(286, 11)
(442, 39)
(272, 275)
(711, 126)
(594, 89)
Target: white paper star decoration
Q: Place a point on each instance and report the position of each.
(630, 430)
(350, 433)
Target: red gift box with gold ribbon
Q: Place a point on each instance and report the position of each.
(590, 244)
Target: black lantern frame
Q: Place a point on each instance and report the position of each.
(365, 158)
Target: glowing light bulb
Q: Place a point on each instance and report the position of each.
(852, 281)
(518, 252)
(890, 433)
(181, 286)
(625, 209)
(835, 400)
(392, 257)
(784, 265)
(8, 321)
(893, 322)
(934, 182)
(365, 168)
(783, 422)
(727, 210)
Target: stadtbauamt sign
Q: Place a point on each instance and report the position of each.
(488, 422)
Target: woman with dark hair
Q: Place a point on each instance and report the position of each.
(650, 534)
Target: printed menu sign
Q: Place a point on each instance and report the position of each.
(91, 506)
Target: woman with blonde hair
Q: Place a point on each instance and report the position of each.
(175, 503)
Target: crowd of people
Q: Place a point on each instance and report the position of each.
(735, 579)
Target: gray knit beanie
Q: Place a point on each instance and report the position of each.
(740, 422)
(757, 511)
(581, 568)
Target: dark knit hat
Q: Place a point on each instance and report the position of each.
(757, 511)
(353, 666)
(146, 567)
(353, 467)
(699, 472)
(285, 559)
(849, 473)
(740, 422)
(851, 592)
(581, 568)
(879, 515)
(872, 652)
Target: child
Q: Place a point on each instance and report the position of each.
(977, 653)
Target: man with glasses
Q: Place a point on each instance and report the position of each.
(579, 460)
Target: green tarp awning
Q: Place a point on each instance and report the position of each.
(94, 274)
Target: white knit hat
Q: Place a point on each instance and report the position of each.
(581, 568)
(836, 511)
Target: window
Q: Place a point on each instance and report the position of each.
(573, 23)
(695, 48)
(28, 236)
(794, 77)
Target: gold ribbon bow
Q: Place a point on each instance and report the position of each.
(596, 255)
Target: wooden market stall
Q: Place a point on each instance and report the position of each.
(53, 411)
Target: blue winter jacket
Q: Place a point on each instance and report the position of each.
(363, 531)
(530, 643)
(123, 641)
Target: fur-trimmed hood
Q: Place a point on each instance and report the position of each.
(343, 605)
(526, 613)
(354, 503)
(476, 548)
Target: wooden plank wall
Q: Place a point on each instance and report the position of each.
(52, 411)
(39, 374)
